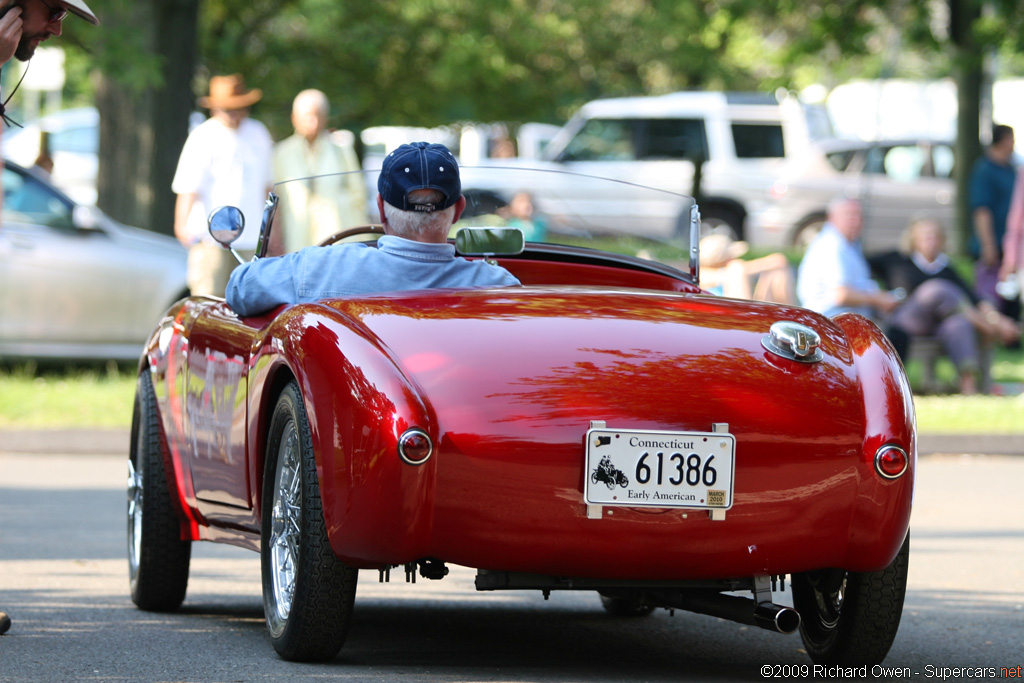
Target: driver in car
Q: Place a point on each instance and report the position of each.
(420, 197)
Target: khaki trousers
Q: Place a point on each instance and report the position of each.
(210, 266)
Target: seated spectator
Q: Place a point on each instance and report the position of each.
(834, 277)
(938, 302)
(722, 271)
(520, 214)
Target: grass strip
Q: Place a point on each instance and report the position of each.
(63, 398)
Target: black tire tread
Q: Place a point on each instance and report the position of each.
(162, 579)
(731, 217)
(869, 618)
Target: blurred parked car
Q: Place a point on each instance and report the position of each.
(74, 283)
(73, 138)
(894, 179)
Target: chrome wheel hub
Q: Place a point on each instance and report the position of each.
(285, 521)
(134, 517)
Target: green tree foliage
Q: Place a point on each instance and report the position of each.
(427, 62)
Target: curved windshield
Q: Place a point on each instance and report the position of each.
(552, 207)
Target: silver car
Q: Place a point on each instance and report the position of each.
(75, 284)
(894, 179)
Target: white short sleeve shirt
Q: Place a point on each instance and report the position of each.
(226, 167)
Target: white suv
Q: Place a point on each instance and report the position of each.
(742, 139)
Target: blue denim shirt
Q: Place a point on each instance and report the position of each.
(316, 273)
(832, 261)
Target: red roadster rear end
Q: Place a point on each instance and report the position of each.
(605, 427)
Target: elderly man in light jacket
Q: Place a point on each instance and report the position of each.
(322, 203)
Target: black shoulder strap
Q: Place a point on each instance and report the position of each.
(3, 106)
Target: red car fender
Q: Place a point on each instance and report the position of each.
(159, 359)
(881, 517)
(358, 402)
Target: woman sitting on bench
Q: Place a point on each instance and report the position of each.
(938, 302)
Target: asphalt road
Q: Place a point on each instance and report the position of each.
(63, 579)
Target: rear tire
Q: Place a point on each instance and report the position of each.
(308, 593)
(713, 220)
(807, 231)
(721, 221)
(851, 618)
(158, 559)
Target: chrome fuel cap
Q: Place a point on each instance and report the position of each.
(793, 341)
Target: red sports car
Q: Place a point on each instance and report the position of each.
(607, 426)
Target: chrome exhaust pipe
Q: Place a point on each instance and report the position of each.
(774, 617)
(766, 615)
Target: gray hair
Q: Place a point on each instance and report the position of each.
(434, 224)
(315, 97)
(841, 200)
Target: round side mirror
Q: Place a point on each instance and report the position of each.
(226, 224)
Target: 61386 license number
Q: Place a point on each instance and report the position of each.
(659, 469)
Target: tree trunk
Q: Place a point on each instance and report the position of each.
(142, 129)
(969, 61)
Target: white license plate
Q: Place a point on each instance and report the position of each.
(659, 469)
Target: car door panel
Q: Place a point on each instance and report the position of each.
(215, 423)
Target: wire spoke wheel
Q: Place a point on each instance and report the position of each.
(308, 593)
(285, 511)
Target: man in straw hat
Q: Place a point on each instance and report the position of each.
(226, 161)
(23, 25)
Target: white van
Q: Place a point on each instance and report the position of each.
(742, 139)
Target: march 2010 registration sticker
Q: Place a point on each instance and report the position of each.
(659, 468)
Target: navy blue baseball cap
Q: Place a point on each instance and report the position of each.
(419, 166)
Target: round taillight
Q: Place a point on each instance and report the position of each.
(891, 461)
(415, 447)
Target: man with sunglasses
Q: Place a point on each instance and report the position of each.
(23, 25)
(27, 23)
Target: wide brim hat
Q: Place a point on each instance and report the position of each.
(717, 249)
(79, 8)
(228, 92)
